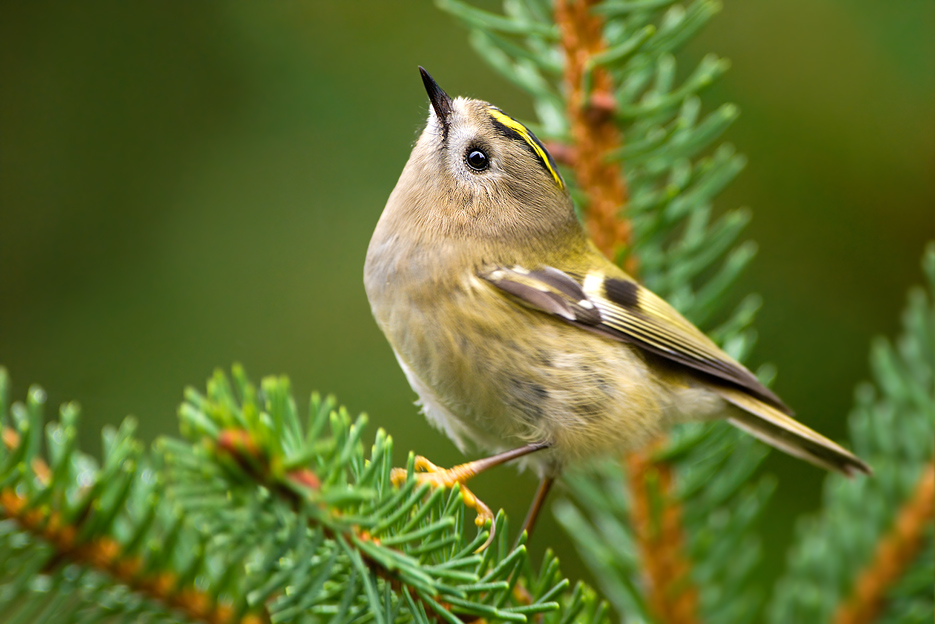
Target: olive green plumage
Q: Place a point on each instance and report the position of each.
(513, 328)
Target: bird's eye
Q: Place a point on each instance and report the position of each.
(477, 160)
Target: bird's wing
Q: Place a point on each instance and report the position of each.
(618, 307)
(787, 434)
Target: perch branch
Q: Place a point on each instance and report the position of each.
(244, 450)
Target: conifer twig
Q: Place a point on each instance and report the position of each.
(105, 555)
(592, 125)
(253, 517)
(657, 523)
(895, 552)
(656, 516)
(243, 449)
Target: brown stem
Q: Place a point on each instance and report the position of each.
(894, 553)
(657, 516)
(657, 522)
(104, 554)
(593, 130)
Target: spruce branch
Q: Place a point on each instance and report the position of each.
(84, 536)
(670, 594)
(396, 548)
(595, 137)
(258, 515)
(657, 522)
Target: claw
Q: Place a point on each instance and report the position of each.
(458, 475)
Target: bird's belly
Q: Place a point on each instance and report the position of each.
(536, 379)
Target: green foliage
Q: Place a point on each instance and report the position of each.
(261, 514)
(60, 516)
(350, 545)
(892, 426)
(256, 514)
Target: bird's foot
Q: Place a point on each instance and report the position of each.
(427, 472)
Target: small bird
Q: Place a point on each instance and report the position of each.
(520, 336)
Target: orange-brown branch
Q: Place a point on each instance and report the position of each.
(658, 527)
(657, 523)
(894, 553)
(104, 554)
(593, 130)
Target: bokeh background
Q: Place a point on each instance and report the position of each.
(185, 185)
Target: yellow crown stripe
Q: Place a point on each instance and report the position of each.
(527, 136)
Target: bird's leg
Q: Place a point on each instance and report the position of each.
(542, 492)
(460, 474)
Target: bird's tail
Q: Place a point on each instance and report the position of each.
(777, 429)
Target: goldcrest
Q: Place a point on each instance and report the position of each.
(519, 336)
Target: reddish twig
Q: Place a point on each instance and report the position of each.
(894, 553)
(593, 130)
(657, 523)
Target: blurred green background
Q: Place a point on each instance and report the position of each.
(183, 185)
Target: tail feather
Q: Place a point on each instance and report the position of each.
(787, 434)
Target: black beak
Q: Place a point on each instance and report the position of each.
(440, 100)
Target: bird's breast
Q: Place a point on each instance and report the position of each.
(492, 372)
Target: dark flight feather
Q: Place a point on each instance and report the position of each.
(623, 310)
